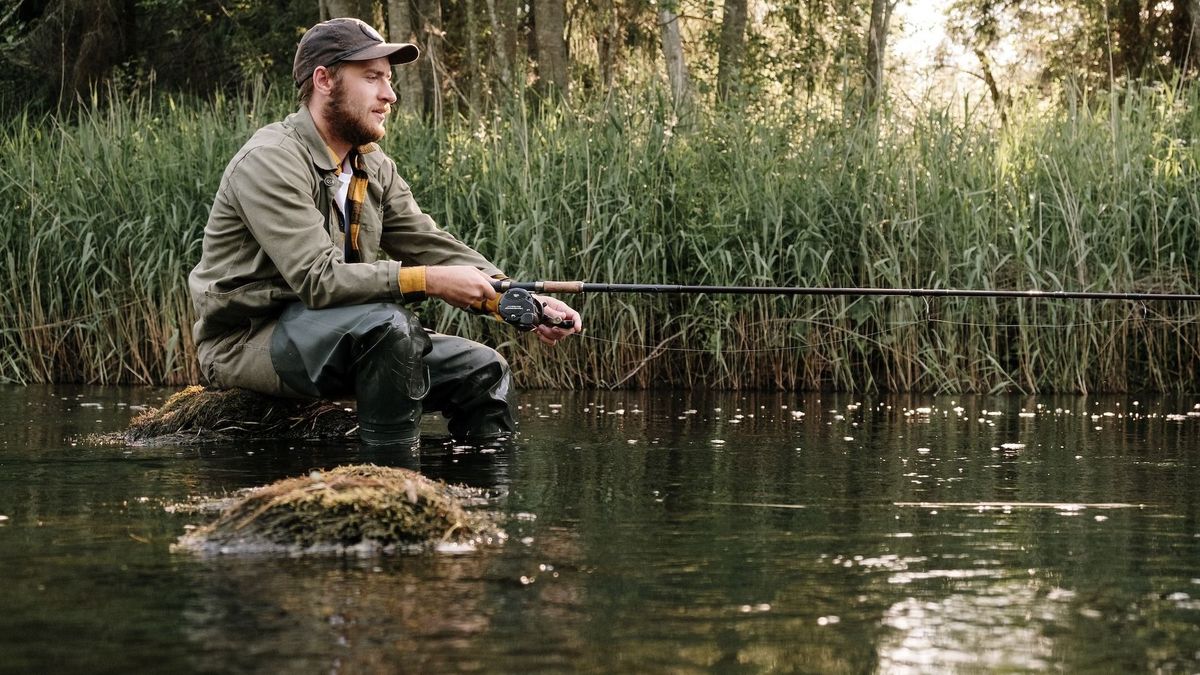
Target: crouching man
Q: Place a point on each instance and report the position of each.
(293, 293)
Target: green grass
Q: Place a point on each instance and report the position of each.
(106, 213)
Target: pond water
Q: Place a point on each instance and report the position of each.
(648, 532)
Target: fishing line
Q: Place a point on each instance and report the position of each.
(851, 335)
(526, 312)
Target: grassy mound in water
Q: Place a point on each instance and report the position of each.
(361, 507)
(196, 413)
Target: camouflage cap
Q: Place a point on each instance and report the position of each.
(346, 39)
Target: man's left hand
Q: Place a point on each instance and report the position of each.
(557, 309)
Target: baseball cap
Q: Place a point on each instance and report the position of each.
(345, 39)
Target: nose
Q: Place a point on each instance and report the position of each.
(388, 94)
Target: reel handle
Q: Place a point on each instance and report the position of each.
(518, 308)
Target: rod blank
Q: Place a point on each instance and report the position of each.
(586, 287)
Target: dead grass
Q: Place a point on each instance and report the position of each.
(350, 507)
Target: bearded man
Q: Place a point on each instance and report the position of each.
(314, 245)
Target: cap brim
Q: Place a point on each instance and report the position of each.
(396, 53)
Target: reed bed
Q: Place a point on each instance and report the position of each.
(106, 212)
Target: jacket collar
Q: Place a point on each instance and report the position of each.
(306, 128)
(321, 156)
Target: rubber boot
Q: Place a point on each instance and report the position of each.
(472, 387)
(389, 383)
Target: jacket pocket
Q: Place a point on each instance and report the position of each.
(251, 300)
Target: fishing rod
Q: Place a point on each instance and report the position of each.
(587, 287)
(518, 307)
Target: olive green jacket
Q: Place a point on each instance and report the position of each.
(273, 235)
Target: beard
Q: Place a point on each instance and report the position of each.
(353, 126)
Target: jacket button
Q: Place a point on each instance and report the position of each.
(330, 180)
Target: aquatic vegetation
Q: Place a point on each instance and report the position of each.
(351, 508)
(197, 414)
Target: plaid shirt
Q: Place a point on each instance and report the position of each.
(351, 215)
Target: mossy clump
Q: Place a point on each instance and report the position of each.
(361, 508)
(199, 414)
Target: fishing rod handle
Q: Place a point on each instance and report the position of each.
(502, 285)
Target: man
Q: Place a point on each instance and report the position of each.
(294, 294)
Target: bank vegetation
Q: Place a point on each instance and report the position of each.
(104, 213)
(690, 141)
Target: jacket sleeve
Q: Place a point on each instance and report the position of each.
(411, 236)
(271, 189)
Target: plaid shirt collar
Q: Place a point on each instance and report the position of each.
(327, 163)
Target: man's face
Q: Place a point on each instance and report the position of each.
(360, 101)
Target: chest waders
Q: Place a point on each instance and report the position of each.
(394, 368)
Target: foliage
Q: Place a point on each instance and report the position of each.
(1094, 45)
(64, 52)
(1099, 195)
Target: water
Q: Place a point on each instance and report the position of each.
(649, 532)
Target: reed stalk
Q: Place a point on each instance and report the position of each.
(105, 214)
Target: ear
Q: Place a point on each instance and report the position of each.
(322, 80)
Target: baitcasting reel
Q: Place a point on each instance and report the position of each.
(519, 309)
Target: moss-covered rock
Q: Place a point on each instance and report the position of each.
(350, 508)
(196, 414)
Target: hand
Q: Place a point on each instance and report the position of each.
(459, 285)
(555, 308)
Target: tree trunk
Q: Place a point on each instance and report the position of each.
(429, 22)
(549, 18)
(502, 14)
(608, 42)
(1130, 38)
(877, 34)
(1182, 36)
(473, 66)
(729, 57)
(677, 71)
(999, 99)
(501, 59)
(1192, 62)
(75, 46)
(359, 9)
(409, 91)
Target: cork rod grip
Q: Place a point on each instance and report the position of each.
(562, 286)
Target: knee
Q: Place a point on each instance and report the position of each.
(483, 369)
(400, 335)
(495, 359)
(488, 360)
(494, 374)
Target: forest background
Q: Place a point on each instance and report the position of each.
(1044, 144)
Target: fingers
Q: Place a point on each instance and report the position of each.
(550, 335)
(561, 311)
(462, 286)
(547, 336)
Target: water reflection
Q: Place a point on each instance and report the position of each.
(649, 531)
(812, 502)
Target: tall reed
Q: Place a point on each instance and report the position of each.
(106, 213)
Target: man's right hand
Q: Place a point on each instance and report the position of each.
(460, 285)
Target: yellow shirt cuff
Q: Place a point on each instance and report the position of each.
(412, 282)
